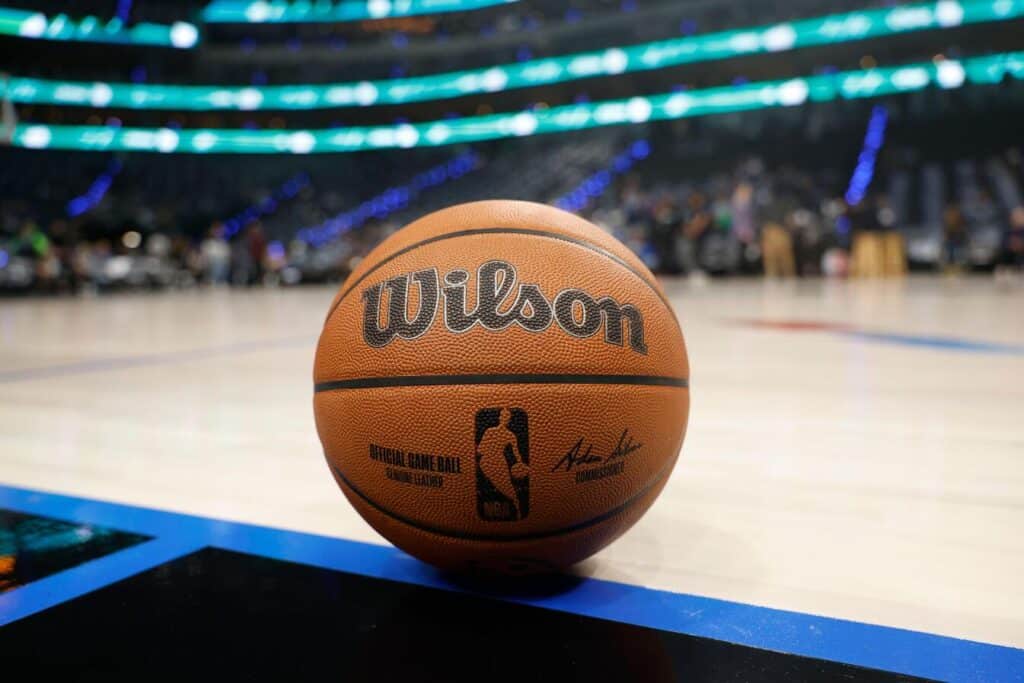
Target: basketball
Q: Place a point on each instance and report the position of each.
(502, 386)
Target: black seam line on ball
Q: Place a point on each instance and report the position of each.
(509, 231)
(455, 380)
(452, 533)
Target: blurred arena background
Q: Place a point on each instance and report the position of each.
(831, 191)
(180, 144)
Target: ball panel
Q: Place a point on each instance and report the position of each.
(444, 458)
(596, 332)
(507, 557)
(495, 214)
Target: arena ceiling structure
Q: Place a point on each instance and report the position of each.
(34, 98)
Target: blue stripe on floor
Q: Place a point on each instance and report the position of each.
(880, 647)
(919, 340)
(942, 343)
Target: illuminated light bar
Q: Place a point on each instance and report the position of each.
(864, 172)
(596, 184)
(96, 192)
(309, 11)
(25, 24)
(832, 29)
(751, 96)
(390, 200)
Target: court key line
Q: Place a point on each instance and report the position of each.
(148, 360)
(879, 647)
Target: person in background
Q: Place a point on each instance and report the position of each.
(776, 240)
(665, 234)
(721, 211)
(695, 232)
(1011, 258)
(744, 226)
(63, 236)
(96, 263)
(867, 252)
(885, 217)
(954, 231)
(31, 242)
(894, 256)
(631, 200)
(721, 252)
(216, 255)
(256, 244)
(241, 263)
(79, 261)
(806, 231)
(183, 258)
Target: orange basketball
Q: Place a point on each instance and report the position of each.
(501, 385)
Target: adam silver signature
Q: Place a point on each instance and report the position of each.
(584, 455)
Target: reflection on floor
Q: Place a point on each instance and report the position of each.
(33, 547)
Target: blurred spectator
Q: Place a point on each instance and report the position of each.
(868, 246)
(31, 242)
(753, 215)
(806, 228)
(894, 258)
(241, 263)
(744, 225)
(96, 262)
(776, 239)
(256, 243)
(954, 232)
(666, 221)
(695, 231)
(885, 217)
(216, 255)
(1011, 261)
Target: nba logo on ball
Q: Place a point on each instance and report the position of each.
(502, 464)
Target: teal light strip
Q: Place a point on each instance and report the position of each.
(760, 95)
(26, 24)
(832, 29)
(309, 11)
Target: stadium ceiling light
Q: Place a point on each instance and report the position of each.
(832, 29)
(308, 11)
(990, 69)
(27, 24)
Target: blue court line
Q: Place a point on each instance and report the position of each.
(147, 360)
(880, 647)
(118, 516)
(943, 343)
(89, 576)
(919, 340)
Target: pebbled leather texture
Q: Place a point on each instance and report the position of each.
(472, 438)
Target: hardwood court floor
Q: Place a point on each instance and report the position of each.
(865, 464)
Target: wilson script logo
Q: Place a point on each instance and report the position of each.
(500, 303)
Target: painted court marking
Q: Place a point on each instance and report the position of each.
(176, 535)
(77, 581)
(922, 341)
(148, 360)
